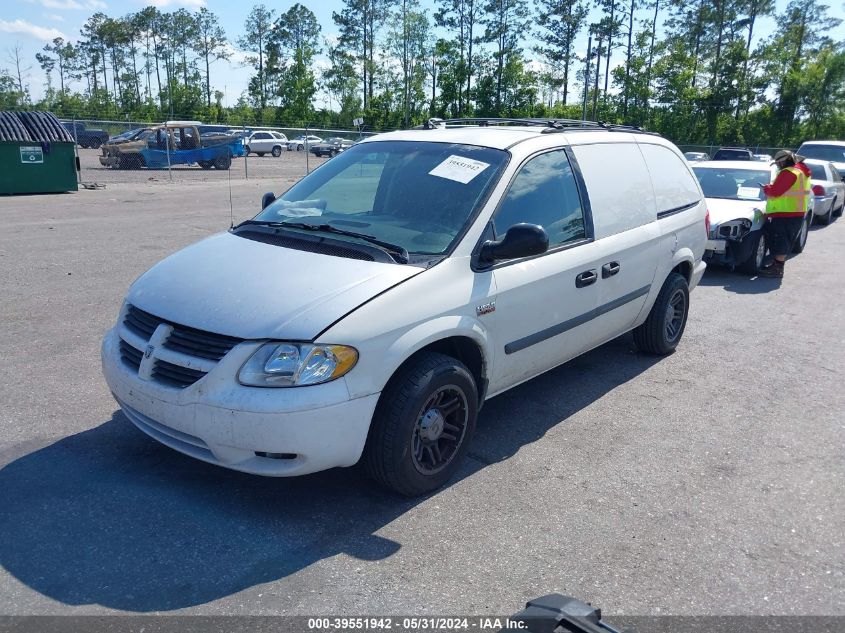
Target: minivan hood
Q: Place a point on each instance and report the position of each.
(239, 287)
(722, 210)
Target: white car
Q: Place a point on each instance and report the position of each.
(828, 151)
(303, 142)
(828, 190)
(737, 204)
(266, 142)
(766, 158)
(434, 269)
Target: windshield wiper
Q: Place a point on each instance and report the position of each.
(399, 253)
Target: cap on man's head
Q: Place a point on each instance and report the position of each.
(784, 154)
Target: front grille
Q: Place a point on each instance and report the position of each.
(140, 322)
(183, 339)
(197, 343)
(130, 355)
(175, 375)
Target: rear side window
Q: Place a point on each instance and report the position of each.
(675, 188)
(818, 172)
(833, 153)
(544, 192)
(618, 185)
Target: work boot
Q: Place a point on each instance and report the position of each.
(775, 270)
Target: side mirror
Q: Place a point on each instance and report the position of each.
(267, 199)
(521, 240)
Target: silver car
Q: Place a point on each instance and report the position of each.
(828, 190)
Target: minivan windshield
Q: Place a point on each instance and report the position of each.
(832, 153)
(418, 195)
(733, 184)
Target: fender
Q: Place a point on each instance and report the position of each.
(683, 255)
(383, 355)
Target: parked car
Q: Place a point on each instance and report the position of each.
(331, 146)
(265, 142)
(302, 142)
(737, 205)
(830, 151)
(436, 268)
(172, 143)
(828, 190)
(86, 137)
(694, 156)
(766, 158)
(128, 136)
(733, 153)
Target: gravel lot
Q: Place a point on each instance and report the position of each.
(708, 482)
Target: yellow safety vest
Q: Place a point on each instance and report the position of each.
(796, 199)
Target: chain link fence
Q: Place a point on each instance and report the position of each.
(121, 153)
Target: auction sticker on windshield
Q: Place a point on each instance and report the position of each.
(748, 193)
(459, 169)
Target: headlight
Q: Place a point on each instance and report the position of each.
(296, 364)
(734, 229)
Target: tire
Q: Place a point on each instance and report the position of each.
(260, 154)
(838, 213)
(206, 164)
(412, 447)
(277, 151)
(662, 330)
(246, 150)
(223, 162)
(827, 218)
(299, 148)
(801, 240)
(95, 144)
(754, 263)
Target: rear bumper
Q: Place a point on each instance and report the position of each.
(697, 274)
(822, 204)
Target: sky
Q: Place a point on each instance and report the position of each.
(33, 23)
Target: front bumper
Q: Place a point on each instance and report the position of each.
(217, 420)
(730, 252)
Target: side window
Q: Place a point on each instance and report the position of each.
(674, 185)
(544, 192)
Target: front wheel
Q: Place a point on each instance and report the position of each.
(223, 162)
(754, 263)
(277, 151)
(423, 425)
(801, 240)
(299, 148)
(662, 330)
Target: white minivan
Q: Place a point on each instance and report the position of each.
(369, 311)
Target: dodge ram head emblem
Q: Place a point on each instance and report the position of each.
(487, 308)
(149, 351)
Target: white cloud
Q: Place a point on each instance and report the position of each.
(54, 16)
(237, 57)
(170, 3)
(38, 32)
(69, 5)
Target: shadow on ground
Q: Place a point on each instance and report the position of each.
(110, 517)
(739, 283)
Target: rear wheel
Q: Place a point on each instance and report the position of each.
(422, 425)
(299, 148)
(662, 330)
(801, 240)
(277, 151)
(758, 253)
(827, 218)
(206, 164)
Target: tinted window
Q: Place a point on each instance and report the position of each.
(674, 185)
(544, 192)
(733, 154)
(833, 153)
(818, 172)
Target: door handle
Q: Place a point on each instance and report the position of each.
(586, 278)
(610, 269)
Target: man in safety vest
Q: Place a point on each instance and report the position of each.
(787, 202)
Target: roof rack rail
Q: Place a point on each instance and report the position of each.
(549, 125)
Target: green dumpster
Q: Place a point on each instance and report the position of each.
(37, 154)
